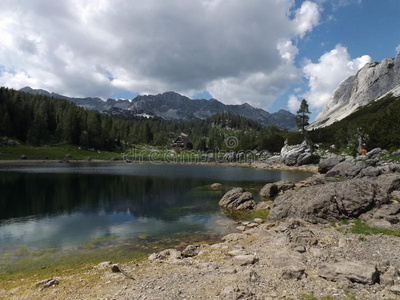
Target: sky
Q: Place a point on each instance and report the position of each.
(269, 53)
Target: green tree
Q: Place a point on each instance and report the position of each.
(302, 117)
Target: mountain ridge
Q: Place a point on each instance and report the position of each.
(371, 83)
(173, 106)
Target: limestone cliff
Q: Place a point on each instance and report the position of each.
(373, 81)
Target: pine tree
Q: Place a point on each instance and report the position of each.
(302, 118)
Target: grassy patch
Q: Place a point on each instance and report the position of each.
(360, 227)
(249, 215)
(94, 243)
(53, 152)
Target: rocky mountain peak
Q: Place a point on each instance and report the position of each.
(371, 82)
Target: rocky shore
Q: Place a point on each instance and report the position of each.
(306, 249)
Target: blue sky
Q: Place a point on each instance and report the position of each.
(268, 53)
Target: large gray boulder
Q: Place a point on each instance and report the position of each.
(355, 271)
(348, 169)
(374, 152)
(300, 154)
(327, 164)
(237, 199)
(329, 202)
(273, 189)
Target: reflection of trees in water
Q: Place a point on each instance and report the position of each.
(24, 194)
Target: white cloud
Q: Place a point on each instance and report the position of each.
(307, 16)
(325, 76)
(238, 50)
(293, 103)
(398, 49)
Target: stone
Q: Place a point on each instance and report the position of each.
(389, 213)
(327, 164)
(355, 271)
(252, 225)
(44, 284)
(23, 156)
(300, 154)
(189, 251)
(379, 223)
(251, 276)
(241, 228)
(396, 195)
(258, 221)
(389, 277)
(244, 259)
(272, 189)
(374, 152)
(216, 186)
(115, 269)
(237, 199)
(300, 249)
(370, 172)
(328, 203)
(395, 289)
(264, 205)
(236, 252)
(346, 169)
(293, 273)
(388, 183)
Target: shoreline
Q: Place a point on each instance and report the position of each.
(256, 165)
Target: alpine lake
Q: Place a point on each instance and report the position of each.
(55, 215)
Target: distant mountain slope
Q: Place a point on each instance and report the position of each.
(372, 82)
(173, 106)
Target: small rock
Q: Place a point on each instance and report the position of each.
(241, 228)
(216, 185)
(23, 156)
(395, 289)
(293, 273)
(189, 251)
(258, 221)
(252, 225)
(244, 260)
(115, 269)
(354, 271)
(44, 284)
(300, 249)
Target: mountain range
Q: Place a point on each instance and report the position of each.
(173, 106)
(371, 83)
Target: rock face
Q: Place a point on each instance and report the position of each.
(374, 80)
(297, 154)
(237, 199)
(329, 202)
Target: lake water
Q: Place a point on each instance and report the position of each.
(63, 213)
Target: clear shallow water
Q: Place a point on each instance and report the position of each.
(73, 208)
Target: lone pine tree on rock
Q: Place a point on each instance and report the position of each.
(302, 117)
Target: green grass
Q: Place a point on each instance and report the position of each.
(53, 152)
(249, 215)
(360, 227)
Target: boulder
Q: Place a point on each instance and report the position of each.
(389, 213)
(273, 189)
(388, 183)
(329, 202)
(216, 186)
(44, 284)
(327, 164)
(348, 169)
(237, 199)
(390, 277)
(374, 152)
(189, 251)
(300, 154)
(355, 271)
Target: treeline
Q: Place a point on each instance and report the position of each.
(39, 120)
